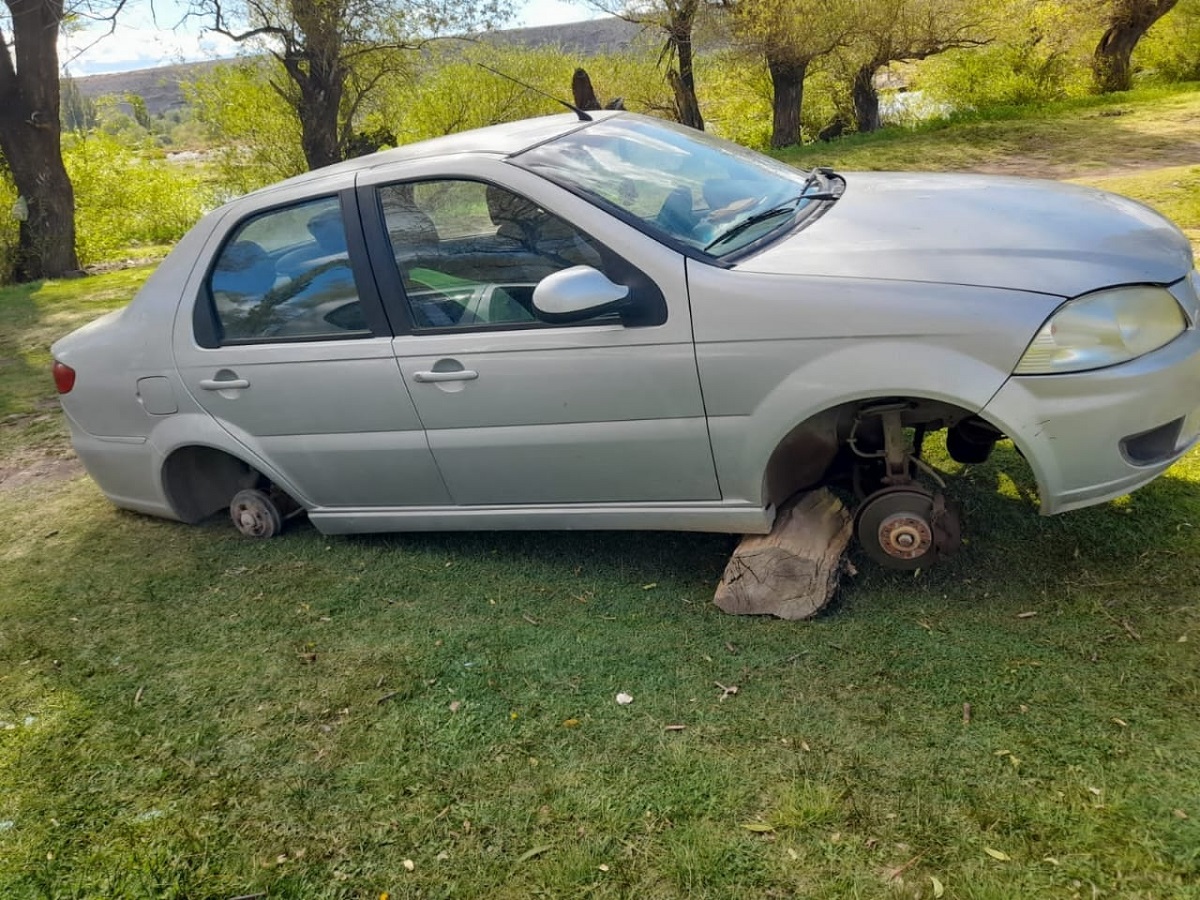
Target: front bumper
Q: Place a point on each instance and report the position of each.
(1093, 436)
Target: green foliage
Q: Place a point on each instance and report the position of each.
(1040, 54)
(254, 128)
(1170, 52)
(127, 196)
(735, 98)
(451, 93)
(78, 112)
(8, 224)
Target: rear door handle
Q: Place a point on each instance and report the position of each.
(458, 375)
(233, 384)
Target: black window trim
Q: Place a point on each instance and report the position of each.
(391, 282)
(206, 325)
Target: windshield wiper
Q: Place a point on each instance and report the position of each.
(785, 208)
(819, 176)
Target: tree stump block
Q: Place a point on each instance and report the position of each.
(793, 571)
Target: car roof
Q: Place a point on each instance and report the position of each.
(505, 139)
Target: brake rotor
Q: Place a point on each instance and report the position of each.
(901, 527)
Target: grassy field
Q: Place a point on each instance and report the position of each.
(187, 714)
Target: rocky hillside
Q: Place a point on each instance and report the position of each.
(160, 87)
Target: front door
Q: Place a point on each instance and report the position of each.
(289, 353)
(518, 410)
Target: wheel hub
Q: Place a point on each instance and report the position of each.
(905, 536)
(905, 527)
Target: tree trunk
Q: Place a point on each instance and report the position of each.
(1128, 24)
(683, 83)
(687, 108)
(31, 141)
(787, 81)
(793, 571)
(319, 111)
(866, 98)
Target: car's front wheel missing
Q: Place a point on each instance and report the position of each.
(907, 527)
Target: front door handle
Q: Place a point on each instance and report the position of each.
(232, 384)
(457, 375)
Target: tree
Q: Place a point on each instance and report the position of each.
(1126, 23)
(889, 31)
(329, 51)
(790, 34)
(677, 19)
(31, 137)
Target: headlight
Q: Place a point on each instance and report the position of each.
(1103, 329)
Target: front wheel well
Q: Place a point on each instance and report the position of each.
(201, 481)
(817, 450)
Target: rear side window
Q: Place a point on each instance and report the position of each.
(286, 275)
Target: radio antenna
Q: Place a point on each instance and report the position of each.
(583, 116)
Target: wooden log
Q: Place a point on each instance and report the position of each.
(793, 571)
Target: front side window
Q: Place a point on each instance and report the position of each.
(470, 253)
(695, 189)
(285, 274)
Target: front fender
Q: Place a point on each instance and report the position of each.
(838, 373)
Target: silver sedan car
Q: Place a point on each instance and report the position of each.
(620, 323)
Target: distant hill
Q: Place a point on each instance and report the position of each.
(160, 87)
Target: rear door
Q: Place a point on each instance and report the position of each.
(288, 348)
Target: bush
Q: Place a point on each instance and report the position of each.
(8, 224)
(127, 196)
(256, 130)
(1171, 50)
(1042, 53)
(449, 92)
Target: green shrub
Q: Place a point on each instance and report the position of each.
(126, 196)
(1042, 52)
(8, 223)
(449, 92)
(256, 131)
(1170, 52)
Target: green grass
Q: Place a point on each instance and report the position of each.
(189, 714)
(1139, 130)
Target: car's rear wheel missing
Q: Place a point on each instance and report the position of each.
(255, 514)
(906, 527)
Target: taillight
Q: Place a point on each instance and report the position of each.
(64, 377)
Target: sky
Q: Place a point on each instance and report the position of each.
(144, 39)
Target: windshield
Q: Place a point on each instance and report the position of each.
(698, 190)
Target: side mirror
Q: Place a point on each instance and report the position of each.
(577, 293)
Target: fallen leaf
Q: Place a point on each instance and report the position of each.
(530, 854)
(1179, 814)
(1095, 790)
(759, 827)
(1120, 722)
(603, 867)
(804, 746)
(624, 699)
(455, 706)
(997, 854)
(571, 723)
(938, 889)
